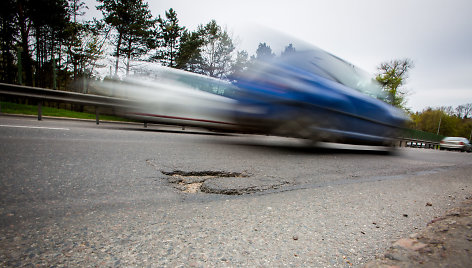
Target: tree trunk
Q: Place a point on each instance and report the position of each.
(118, 46)
(129, 56)
(24, 33)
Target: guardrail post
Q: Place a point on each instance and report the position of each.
(40, 111)
(96, 115)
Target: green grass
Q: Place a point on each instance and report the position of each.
(14, 108)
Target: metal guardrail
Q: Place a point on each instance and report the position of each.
(420, 139)
(415, 143)
(42, 94)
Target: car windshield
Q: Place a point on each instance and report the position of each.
(335, 69)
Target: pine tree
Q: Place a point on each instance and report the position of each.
(8, 34)
(290, 49)
(24, 24)
(169, 40)
(133, 23)
(264, 52)
(189, 57)
(206, 51)
(241, 63)
(49, 20)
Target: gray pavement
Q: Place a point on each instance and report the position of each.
(77, 194)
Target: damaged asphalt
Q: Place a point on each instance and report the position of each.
(103, 196)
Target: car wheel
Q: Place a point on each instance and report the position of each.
(300, 124)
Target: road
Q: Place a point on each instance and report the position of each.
(73, 193)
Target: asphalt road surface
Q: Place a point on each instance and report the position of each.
(76, 194)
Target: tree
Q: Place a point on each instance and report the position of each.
(288, 50)
(83, 50)
(216, 50)
(138, 41)
(76, 8)
(241, 63)
(49, 20)
(447, 110)
(189, 55)
(83, 46)
(206, 51)
(432, 120)
(8, 35)
(133, 22)
(47, 35)
(464, 110)
(77, 34)
(264, 52)
(170, 34)
(445, 120)
(392, 75)
(24, 25)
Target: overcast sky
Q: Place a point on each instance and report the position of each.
(435, 34)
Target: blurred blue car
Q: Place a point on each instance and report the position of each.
(315, 95)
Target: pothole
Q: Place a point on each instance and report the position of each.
(194, 181)
(222, 182)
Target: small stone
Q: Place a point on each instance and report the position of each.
(405, 215)
(295, 237)
(443, 229)
(428, 204)
(393, 257)
(410, 244)
(414, 236)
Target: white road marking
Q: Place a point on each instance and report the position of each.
(33, 127)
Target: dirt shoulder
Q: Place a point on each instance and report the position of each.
(446, 242)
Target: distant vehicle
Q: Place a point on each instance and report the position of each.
(456, 143)
(314, 95)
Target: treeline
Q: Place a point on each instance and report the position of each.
(446, 121)
(43, 43)
(46, 43)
